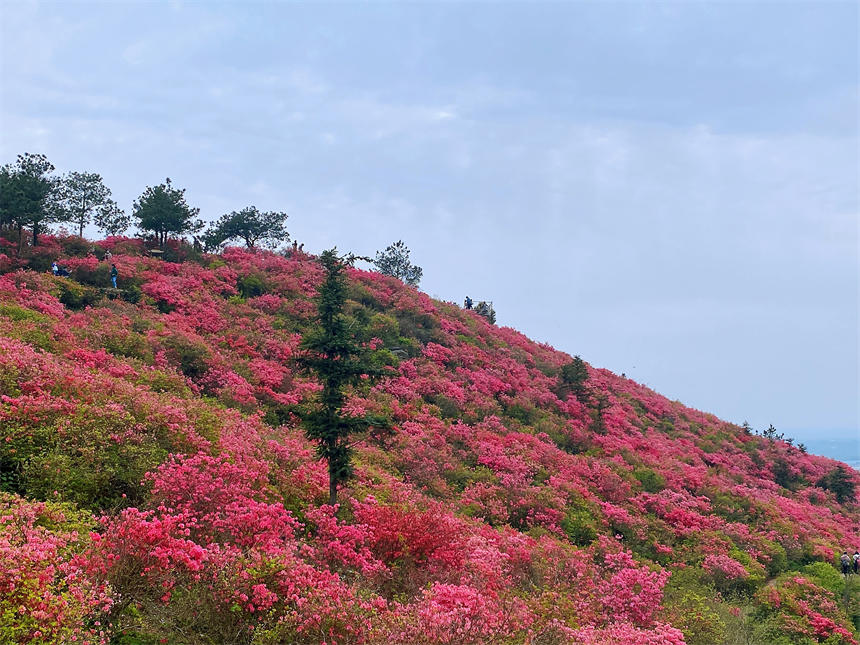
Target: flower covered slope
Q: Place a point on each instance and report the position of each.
(157, 487)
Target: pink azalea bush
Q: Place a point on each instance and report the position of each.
(156, 480)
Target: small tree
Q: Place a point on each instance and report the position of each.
(339, 362)
(251, 226)
(486, 310)
(111, 219)
(82, 194)
(573, 378)
(27, 195)
(163, 211)
(394, 261)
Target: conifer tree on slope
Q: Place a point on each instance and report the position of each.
(163, 211)
(339, 361)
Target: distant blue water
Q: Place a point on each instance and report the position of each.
(847, 450)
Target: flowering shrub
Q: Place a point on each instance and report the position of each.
(45, 596)
(503, 508)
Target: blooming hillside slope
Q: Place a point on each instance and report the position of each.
(157, 486)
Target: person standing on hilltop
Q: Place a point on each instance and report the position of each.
(113, 275)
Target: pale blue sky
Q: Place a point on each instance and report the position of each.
(668, 190)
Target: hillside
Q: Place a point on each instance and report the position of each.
(158, 488)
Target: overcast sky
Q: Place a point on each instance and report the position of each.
(667, 190)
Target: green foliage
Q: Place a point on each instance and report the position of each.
(840, 483)
(825, 575)
(76, 246)
(783, 476)
(77, 296)
(189, 356)
(111, 219)
(448, 407)
(266, 229)
(18, 314)
(420, 326)
(132, 294)
(339, 362)
(97, 277)
(27, 194)
(651, 480)
(162, 211)
(573, 378)
(251, 286)
(486, 310)
(82, 194)
(394, 261)
(579, 523)
(693, 613)
(88, 458)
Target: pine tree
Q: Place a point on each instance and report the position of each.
(339, 361)
(163, 211)
(394, 261)
(573, 378)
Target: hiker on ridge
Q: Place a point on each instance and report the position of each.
(846, 563)
(113, 275)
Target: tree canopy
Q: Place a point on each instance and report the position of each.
(111, 219)
(250, 225)
(27, 194)
(163, 211)
(394, 261)
(81, 195)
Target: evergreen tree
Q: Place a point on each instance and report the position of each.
(82, 194)
(163, 211)
(394, 261)
(573, 378)
(111, 219)
(27, 195)
(486, 310)
(339, 362)
(251, 226)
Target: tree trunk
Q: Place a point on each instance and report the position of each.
(35, 234)
(332, 488)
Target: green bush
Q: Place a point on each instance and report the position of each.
(652, 481)
(89, 465)
(825, 575)
(77, 296)
(693, 613)
(579, 523)
(190, 357)
(76, 246)
(18, 314)
(97, 277)
(132, 293)
(251, 286)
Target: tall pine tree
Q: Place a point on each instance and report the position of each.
(333, 353)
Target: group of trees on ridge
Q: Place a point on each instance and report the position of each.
(32, 198)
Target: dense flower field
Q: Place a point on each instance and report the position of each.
(156, 487)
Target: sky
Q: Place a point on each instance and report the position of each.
(669, 190)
